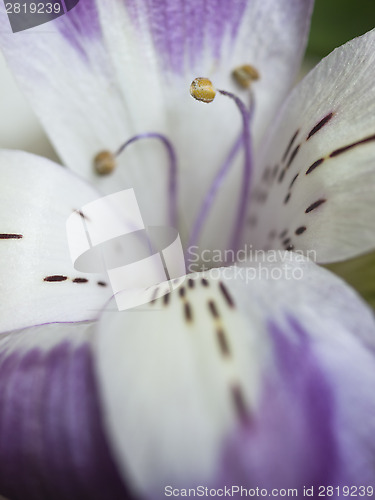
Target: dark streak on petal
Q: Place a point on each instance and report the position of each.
(56, 277)
(182, 291)
(281, 176)
(287, 198)
(79, 212)
(290, 145)
(204, 282)
(166, 298)
(353, 145)
(300, 230)
(239, 404)
(293, 181)
(319, 125)
(188, 313)
(315, 205)
(80, 280)
(286, 242)
(6, 236)
(191, 283)
(283, 234)
(213, 309)
(293, 155)
(102, 283)
(223, 343)
(226, 294)
(314, 165)
(289, 248)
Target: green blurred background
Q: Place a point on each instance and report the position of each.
(335, 22)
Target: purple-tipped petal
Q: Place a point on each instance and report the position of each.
(52, 442)
(315, 176)
(125, 67)
(248, 376)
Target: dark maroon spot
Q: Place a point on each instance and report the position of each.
(281, 176)
(283, 234)
(102, 283)
(252, 220)
(266, 174)
(56, 277)
(300, 230)
(226, 294)
(239, 404)
(289, 248)
(80, 280)
(314, 165)
(187, 312)
(346, 148)
(191, 283)
(204, 282)
(213, 309)
(272, 235)
(182, 291)
(319, 125)
(287, 198)
(224, 347)
(315, 205)
(286, 242)
(166, 298)
(293, 181)
(6, 236)
(289, 147)
(293, 155)
(82, 214)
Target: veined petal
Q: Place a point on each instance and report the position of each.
(236, 367)
(38, 282)
(124, 68)
(316, 179)
(52, 442)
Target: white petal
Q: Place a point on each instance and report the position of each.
(38, 281)
(124, 68)
(324, 199)
(180, 377)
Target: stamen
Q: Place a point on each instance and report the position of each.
(105, 163)
(202, 90)
(245, 139)
(245, 75)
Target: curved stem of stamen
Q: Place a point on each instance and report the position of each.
(245, 139)
(172, 185)
(214, 188)
(240, 219)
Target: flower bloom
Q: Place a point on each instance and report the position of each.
(228, 380)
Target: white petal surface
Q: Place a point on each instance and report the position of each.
(181, 375)
(124, 68)
(38, 282)
(316, 176)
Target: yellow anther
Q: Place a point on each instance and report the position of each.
(245, 75)
(202, 90)
(104, 163)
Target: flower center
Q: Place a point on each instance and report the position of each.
(203, 90)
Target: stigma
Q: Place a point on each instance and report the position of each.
(202, 90)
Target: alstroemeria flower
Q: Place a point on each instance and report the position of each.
(263, 383)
